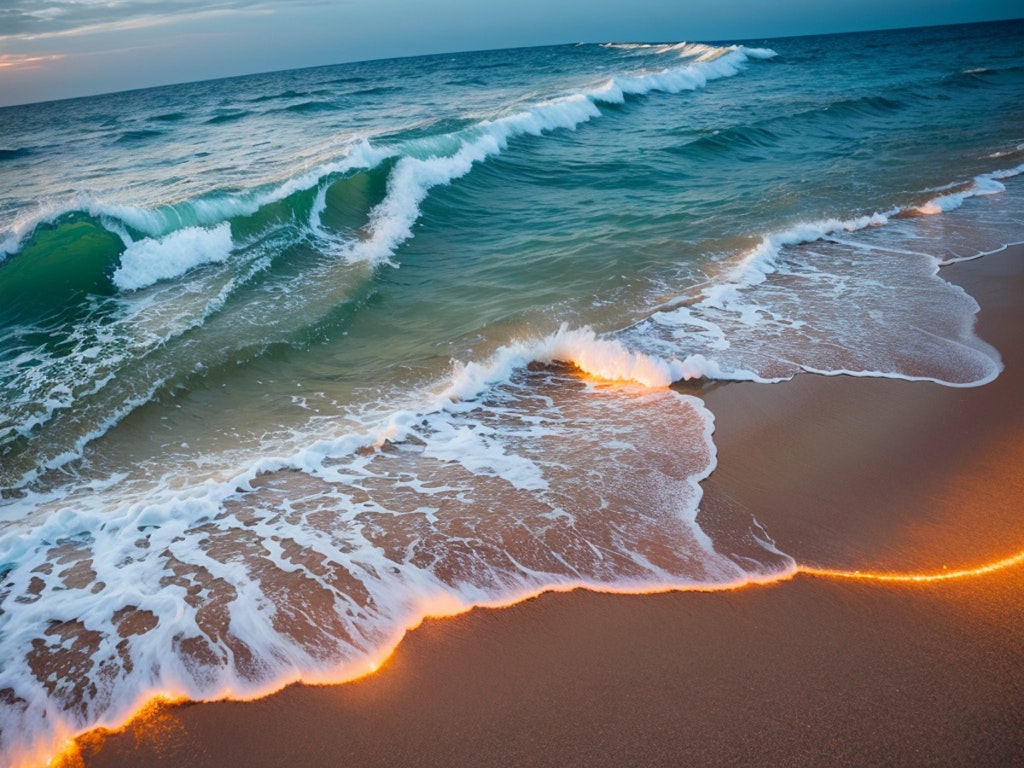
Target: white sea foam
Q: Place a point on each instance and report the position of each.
(985, 184)
(148, 261)
(762, 260)
(860, 296)
(629, 46)
(601, 358)
(692, 76)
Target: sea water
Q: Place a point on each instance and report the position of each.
(290, 361)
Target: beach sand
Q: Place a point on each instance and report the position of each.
(843, 473)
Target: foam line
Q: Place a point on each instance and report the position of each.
(915, 578)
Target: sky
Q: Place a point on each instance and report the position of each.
(54, 49)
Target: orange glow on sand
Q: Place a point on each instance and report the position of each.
(152, 720)
(915, 578)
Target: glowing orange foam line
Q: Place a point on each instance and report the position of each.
(963, 573)
(70, 754)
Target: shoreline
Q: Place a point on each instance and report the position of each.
(842, 472)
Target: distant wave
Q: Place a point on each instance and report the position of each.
(169, 117)
(311, 107)
(425, 162)
(730, 139)
(289, 95)
(377, 90)
(131, 137)
(449, 157)
(228, 117)
(14, 154)
(682, 49)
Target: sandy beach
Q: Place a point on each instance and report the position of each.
(843, 473)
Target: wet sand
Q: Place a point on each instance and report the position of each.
(843, 473)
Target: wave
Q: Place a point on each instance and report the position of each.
(439, 160)
(834, 297)
(132, 137)
(744, 138)
(289, 94)
(866, 105)
(756, 264)
(843, 116)
(311, 107)
(349, 538)
(468, 82)
(62, 265)
(981, 77)
(378, 90)
(169, 117)
(718, 63)
(837, 120)
(228, 117)
(361, 208)
(434, 159)
(206, 211)
(14, 154)
(444, 156)
(374, 538)
(684, 50)
(986, 184)
(97, 317)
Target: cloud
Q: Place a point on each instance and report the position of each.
(47, 19)
(23, 61)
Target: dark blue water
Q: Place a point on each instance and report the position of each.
(289, 361)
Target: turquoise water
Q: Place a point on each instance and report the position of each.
(289, 361)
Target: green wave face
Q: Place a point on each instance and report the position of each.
(57, 268)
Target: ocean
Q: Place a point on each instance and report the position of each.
(290, 361)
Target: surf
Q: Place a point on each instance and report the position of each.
(432, 351)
